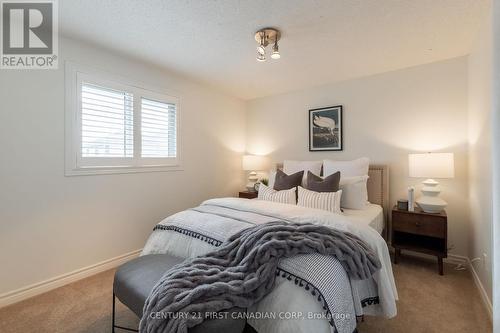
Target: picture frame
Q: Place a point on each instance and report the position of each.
(325, 129)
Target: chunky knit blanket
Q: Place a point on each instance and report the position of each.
(242, 271)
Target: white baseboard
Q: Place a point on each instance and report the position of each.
(455, 260)
(484, 296)
(59, 281)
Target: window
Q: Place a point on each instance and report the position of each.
(107, 122)
(158, 130)
(115, 127)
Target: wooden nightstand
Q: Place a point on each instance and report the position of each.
(248, 195)
(420, 232)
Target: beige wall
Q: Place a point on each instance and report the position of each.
(480, 153)
(51, 224)
(496, 163)
(386, 116)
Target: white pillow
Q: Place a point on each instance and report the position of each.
(354, 192)
(268, 194)
(329, 201)
(272, 178)
(291, 167)
(352, 168)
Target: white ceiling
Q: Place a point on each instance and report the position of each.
(322, 40)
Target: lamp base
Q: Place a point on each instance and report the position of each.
(431, 205)
(250, 187)
(252, 179)
(430, 202)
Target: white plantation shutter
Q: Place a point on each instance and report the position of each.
(117, 127)
(107, 118)
(158, 129)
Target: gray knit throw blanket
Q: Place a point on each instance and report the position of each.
(242, 271)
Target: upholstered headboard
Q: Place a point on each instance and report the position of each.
(378, 187)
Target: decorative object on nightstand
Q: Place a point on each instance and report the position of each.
(431, 165)
(248, 194)
(403, 204)
(411, 199)
(420, 232)
(253, 163)
(264, 181)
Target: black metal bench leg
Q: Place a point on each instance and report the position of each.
(113, 315)
(113, 325)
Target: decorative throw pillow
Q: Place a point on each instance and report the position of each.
(358, 167)
(355, 192)
(327, 184)
(329, 201)
(290, 167)
(283, 181)
(272, 177)
(286, 196)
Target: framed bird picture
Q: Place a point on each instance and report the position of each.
(325, 129)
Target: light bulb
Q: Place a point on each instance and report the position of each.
(261, 50)
(261, 57)
(276, 51)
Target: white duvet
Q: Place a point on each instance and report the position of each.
(286, 298)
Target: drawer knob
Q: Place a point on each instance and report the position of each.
(417, 224)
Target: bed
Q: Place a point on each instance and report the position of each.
(293, 305)
(372, 216)
(376, 213)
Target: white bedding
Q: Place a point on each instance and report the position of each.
(372, 215)
(286, 296)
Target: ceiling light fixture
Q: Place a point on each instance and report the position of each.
(261, 50)
(276, 51)
(261, 57)
(265, 37)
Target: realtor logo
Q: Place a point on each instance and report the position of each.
(29, 34)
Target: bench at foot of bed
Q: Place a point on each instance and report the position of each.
(135, 279)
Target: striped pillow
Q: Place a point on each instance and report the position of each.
(329, 201)
(285, 196)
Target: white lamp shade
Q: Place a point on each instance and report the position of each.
(254, 163)
(431, 165)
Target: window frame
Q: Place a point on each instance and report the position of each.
(75, 164)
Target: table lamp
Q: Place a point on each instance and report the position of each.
(253, 163)
(431, 165)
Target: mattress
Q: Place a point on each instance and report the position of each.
(372, 215)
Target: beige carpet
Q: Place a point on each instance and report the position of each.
(428, 303)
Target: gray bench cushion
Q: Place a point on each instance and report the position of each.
(135, 279)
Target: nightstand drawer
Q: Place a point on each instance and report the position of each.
(415, 224)
(421, 232)
(248, 195)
